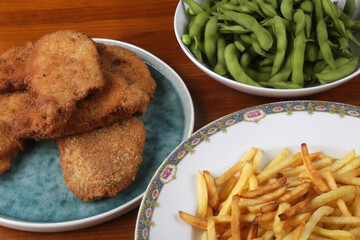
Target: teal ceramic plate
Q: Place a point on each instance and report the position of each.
(332, 128)
(33, 194)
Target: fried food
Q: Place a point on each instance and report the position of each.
(12, 67)
(63, 68)
(104, 161)
(128, 90)
(11, 105)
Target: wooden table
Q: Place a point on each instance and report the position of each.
(149, 25)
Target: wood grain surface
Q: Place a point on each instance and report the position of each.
(149, 25)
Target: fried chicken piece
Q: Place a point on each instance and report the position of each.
(104, 161)
(12, 67)
(63, 68)
(11, 105)
(128, 90)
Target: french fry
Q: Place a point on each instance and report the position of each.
(253, 184)
(317, 237)
(357, 205)
(293, 172)
(314, 175)
(235, 218)
(294, 210)
(211, 229)
(236, 168)
(354, 164)
(329, 196)
(280, 157)
(252, 234)
(353, 173)
(278, 224)
(211, 189)
(238, 188)
(334, 234)
(341, 162)
(257, 159)
(202, 194)
(204, 236)
(271, 171)
(226, 190)
(298, 219)
(353, 221)
(345, 179)
(266, 217)
(297, 192)
(269, 207)
(193, 220)
(209, 212)
(268, 235)
(340, 202)
(264, 198)
(265, 189)
(314, 219)
(296, 234)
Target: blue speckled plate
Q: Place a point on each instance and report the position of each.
(33, 194)
(332, 128)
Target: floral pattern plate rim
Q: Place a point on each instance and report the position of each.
(40, 202)
(325, 126)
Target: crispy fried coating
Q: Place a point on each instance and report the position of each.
(63, 68)
(129, 88)
(104, 161)
(11, 105)
(12, 67)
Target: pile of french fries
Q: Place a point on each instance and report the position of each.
(297, 196)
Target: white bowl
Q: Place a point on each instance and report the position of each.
(181, 20)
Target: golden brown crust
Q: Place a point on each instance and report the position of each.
(63, 68)
(12, 67)
(129, 88)
(11, 105)
(104, 161)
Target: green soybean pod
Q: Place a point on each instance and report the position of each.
(349, 7)
(352, 38)
(224, 28)
(343, 43)
(264, 36)
(308, 26)
(210, 40)
(256, 45)
(239, 46)
(266, 8)
(312, 51)
(281, 44)
(330, 10)
(220, 67)
(257, 76)
(319, 66)
(307, 6)
(319, 12)
(300, 20)
(198, 24)
(234, 67)
(195, 7)
(273, 3)
(286, 9)
(297, 76)
(322, 36)
(340, 72)
(196, 51)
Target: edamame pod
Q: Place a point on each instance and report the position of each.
(210, 40)
(280, 32)
(198, 24)
(349, 7)
(220, 67)
(338, 73)
(234, 67)
(264, 36)
(195, 7)
(286, 8)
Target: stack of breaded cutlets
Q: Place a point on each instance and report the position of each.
(82, 95)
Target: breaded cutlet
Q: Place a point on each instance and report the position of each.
(129, 87)
(11, 105)
(104, 161)
(12, 67)
(62, 69)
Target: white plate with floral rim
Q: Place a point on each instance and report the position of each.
(332, 128)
